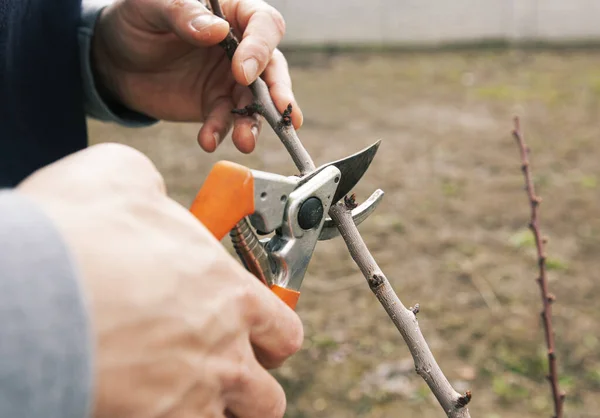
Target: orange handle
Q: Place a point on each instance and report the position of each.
(289, 296)
(226, 197)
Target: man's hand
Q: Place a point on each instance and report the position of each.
(162, 58)
(178, 323)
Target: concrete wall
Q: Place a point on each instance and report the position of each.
(437, 21)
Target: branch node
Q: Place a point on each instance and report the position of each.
(376, 281)
(286, 116)
(229, 44)
(415, 309)
(249, 110)
(463, 401)
(350, 201)
(551, 297)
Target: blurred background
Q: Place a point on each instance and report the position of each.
(439, 82)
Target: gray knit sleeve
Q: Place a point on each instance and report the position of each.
(45, 339)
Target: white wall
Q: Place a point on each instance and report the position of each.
(435, 21)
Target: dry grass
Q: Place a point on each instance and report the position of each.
(451, 233)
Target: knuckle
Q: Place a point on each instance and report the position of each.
(174, 5)
(246, 297)
(278, 21)
(296, 339)
(175, 10)
(280, 406)
(121, 154)
(281, 61)
(278, 402)
(128, 160)
(237, 378)
(278, 55)
(262, 48)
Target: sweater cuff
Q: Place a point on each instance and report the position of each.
(95, 106)
(45, 333)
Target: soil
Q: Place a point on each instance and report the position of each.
(451, 232)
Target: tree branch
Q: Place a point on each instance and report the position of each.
(404, 319)
(547, 297)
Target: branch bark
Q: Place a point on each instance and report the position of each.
(405, 320)
(547, 298)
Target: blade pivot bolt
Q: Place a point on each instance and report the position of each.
(310, 213)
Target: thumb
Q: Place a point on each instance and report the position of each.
(188, 19)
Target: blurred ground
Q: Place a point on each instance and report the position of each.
(450, 233)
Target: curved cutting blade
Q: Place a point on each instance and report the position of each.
(352, 168)
(359, 214)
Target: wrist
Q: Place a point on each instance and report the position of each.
(101, 77)
(102, 67)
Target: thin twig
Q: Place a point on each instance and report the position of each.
(547, 297)
(265, 106)
(452, 402)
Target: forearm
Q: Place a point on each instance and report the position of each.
(45, 347)
(98, 104)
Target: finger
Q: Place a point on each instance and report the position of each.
(277, 77)
(263, 28)
(189, 19)
(246, 128)
(216, 125)
(266, 360)
(275, 329)
(251, 392)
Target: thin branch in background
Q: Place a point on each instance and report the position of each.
(404, 319)
(547, 297)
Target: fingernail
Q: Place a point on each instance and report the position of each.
(217, 139)
(254, 131)
(203, 22)
(250, 67)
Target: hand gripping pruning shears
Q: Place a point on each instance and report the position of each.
(249, 203)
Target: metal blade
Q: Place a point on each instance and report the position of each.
(352, 169)
(359, 214)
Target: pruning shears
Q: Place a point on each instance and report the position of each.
(249, 203)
